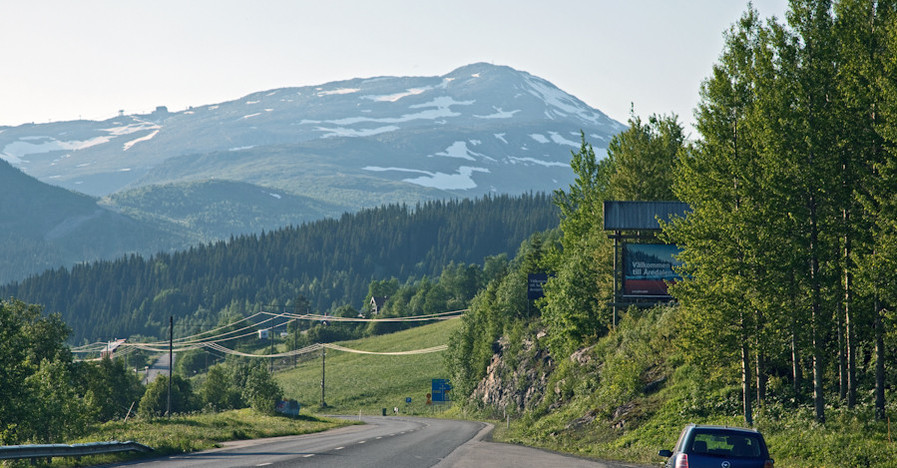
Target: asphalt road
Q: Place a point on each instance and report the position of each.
(160, 367)
(392, 442)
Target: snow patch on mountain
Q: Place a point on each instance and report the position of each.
(135, 127)
(535, 161)
(460, 150)
(338, 91)
(461, 180)
(539, 138)
(499, 114)
(442, 108)
(133, 142)
(241, 148)
(559, 139)
(330, 132)
(15, 151)
(395, 97)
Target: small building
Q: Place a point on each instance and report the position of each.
(377, 303)
(264, 334)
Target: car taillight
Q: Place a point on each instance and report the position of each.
(682, 461)
(768, 464)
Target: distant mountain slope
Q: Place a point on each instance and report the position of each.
(208, 208)
(479, 129)
(42, 226)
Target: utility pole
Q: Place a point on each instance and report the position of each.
(323, 373)
(271, 352)
(170, 359)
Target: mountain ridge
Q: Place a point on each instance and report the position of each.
(486, 103)
(290, 155)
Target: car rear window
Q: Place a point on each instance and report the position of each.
(727, 444)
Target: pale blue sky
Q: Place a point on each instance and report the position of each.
(64, 59)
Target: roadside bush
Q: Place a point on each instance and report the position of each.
(155, 400)
(217, 392)
(261, 391)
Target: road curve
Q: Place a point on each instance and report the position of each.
(393, 442)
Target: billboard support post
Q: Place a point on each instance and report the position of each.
(616, 299)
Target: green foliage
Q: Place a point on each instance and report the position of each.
(260, 390)
(191, 362)
(786, 250)
(36, 382)
(217, 391)
(55, 413)
(642, 159)
(582, 203)
(155, 401)
(109, 388)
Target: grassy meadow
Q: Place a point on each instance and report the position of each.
(368, 383)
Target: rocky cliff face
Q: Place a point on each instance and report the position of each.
(516, 381)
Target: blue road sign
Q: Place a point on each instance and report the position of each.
(440, 390)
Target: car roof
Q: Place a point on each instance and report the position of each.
(727, 428)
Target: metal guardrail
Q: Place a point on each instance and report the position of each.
(10, 452)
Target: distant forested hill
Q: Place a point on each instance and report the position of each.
(42, 226)
(330, 262)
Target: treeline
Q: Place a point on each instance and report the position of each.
(330, 263)
(790, 252)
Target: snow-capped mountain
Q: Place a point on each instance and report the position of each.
(479, 129)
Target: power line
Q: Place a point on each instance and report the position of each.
(213, 342)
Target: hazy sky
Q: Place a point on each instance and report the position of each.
(64, 59)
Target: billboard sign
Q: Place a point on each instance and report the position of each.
(287, 407)
(534, 285)
(647, 268)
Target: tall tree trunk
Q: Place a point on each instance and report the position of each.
(850, 345)
(797, 373)
(816, 312)
(879, 364)
(746, 374)
(847, 363)
(842, 361)
(760, 360)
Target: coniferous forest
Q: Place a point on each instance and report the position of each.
(329, 263)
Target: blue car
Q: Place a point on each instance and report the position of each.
(702, 446)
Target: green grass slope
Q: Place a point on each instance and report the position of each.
(368, 383)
